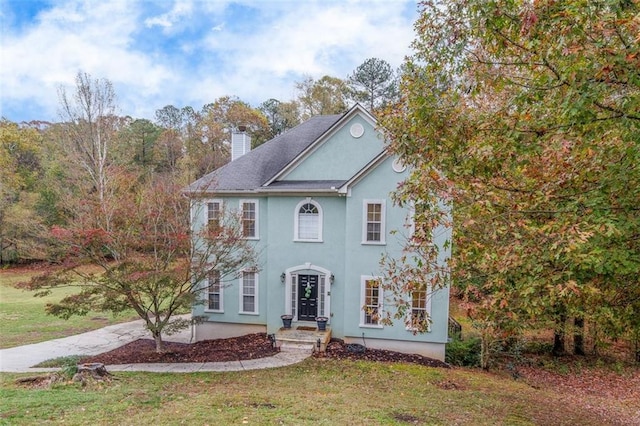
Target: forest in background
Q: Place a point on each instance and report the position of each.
(520, 122)
(49, 172)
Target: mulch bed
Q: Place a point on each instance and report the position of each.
(337, 349)
(251, 346)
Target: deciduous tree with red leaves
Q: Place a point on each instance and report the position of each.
(146, 260)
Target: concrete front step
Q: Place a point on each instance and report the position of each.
(297, 339)
(297, 347)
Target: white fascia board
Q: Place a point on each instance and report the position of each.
(346, 187)
(356, 109)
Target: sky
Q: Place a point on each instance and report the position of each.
(188, 52)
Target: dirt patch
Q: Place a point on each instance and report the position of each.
(406, 418)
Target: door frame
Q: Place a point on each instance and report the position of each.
(313, 305)
(324, 289)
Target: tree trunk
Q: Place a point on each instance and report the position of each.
(578, 336)
(94, 369)
(485, 349)
(637, 344)
(157, 337)
(558, 335)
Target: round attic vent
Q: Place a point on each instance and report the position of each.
(398, 166)
(356, 130)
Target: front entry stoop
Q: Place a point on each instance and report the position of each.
(296, 339)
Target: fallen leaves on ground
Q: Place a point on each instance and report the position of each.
(251, 346)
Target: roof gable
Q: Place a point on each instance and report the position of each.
(257, 167)
(337, 154)
(325, 153)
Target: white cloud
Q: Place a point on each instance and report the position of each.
(181, 10)
(318, 39)
(190, 53)
(74, 36)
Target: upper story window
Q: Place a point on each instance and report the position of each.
(249, 210)
(214, 212)
(419, 230)
(373, 231)
(308, 221)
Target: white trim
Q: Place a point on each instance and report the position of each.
(356, 130)
(346, 187)
(363, 297)
(192, 213)
(398, 165)
(291, 302)
(427, 309)
(220, 292)
(357, 109)
(256, 202)
(296, 221)
(206, 209)
(383, 217)
(241, 310)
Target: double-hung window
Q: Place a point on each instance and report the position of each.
(308, 221)
(249, 209)
(214, 292)
(419, 319)
(371, 301)
(249, 292)
(214, 214)
(373, 230)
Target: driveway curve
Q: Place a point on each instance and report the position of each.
(21, 359)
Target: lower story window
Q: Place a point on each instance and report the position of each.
(419, 315)
(371, 301)
(214, 292)
(249, 293)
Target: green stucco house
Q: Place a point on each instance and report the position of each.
(316, 202)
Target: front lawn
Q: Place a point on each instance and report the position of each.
(316, 391)
(23, 319)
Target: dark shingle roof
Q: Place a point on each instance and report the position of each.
(256, 167)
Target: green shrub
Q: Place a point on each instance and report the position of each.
(62, 361)
(463, 353)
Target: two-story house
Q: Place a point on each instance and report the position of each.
(316, 202)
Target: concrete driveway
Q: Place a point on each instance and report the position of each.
(22, 358)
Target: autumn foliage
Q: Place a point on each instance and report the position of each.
(531, 113)
(145, 256)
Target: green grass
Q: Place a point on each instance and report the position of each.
(23, 319)
(62, 361)
(317, 391)
(324, 392)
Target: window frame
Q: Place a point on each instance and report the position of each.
(208, 218)
(220, 293)
(426, 309)
(364, 279)
(296, 221)
(256, 204)
(242, 294)
(365, 221)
